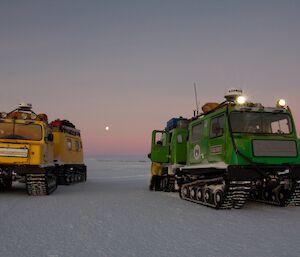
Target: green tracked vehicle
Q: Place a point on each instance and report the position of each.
(169, 148)
(239, 150)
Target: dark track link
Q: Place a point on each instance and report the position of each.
(40, 184)
(235, 193)
(291, 199)
(72, 177)
(294, 198)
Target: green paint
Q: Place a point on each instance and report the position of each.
(210, 140)
(173, 149)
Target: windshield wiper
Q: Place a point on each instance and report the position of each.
(25, 124)
(13, 137)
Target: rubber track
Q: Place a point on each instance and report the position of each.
(294, 199)
(38, 184)
(168, 184)
(72, 177)
(235, 194)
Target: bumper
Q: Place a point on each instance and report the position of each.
(258, 172)
(23, 169)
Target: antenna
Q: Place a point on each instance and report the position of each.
(197, 106)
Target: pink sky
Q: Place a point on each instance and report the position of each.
(132, 65)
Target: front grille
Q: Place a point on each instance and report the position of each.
(275, 148)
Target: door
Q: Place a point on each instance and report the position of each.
(217, 139)
(160, 146)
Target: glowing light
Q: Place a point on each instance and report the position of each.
(3, 115)
(24, 116)
(33, 116)
(241, 100)
(107, 128)
(281, 103)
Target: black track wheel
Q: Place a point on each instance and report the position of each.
(207, 195)
(199, 194)
(281, 196)
(266, 195)
(218, 197)
(184, 191)
(7, 183)
(193, 193)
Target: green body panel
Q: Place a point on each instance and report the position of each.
(244, 144)
(212, 149)
(173, 149)
(208, 149)
(178, 142)
(160, 152)
(205, 141)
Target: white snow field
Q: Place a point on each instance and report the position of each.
(113, 214)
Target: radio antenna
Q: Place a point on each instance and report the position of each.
(197, 106)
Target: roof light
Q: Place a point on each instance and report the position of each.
(232, 94)
(241, 99)
(280, 103)
(33, 116)
(24, 116)
(3, 115)
(25, 106)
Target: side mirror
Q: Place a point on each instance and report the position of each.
(50, 137)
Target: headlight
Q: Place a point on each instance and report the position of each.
(24, 116)
(280, 103)
(33, 116)
(241, 100)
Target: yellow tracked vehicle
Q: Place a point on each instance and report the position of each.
(68, 153)
(37, 153)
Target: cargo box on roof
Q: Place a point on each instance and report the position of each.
(177, 123)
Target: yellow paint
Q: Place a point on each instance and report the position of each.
(67, 148)
(156, 169)
(39, 153)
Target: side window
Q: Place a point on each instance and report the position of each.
(179, 139)
(197, 132)
(77, 146)
(159, 138)
(217, 127)
(69, 144)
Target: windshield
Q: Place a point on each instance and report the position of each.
(260, 122)
(20, 131)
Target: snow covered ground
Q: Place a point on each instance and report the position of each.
(113, 214)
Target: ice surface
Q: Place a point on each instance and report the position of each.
(114, 214)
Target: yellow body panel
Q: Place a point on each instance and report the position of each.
(26, 152)
(37, 153)
(67, 148)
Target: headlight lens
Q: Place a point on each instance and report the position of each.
(33, 116)
(281, 103)
(24, 116)
(241, 100)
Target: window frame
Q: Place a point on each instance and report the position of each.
(218, 117)
(200, 134)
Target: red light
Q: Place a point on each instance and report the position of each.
(56, 123)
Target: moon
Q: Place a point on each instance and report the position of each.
(107, 128)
